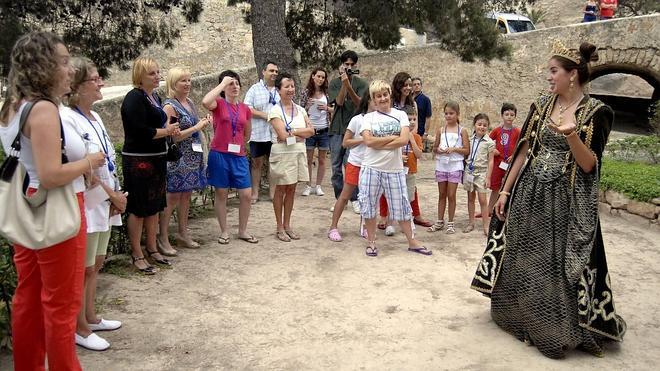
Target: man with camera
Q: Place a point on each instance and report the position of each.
(345, 93)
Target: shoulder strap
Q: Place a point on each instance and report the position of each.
(16, 144)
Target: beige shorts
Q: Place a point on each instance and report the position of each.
(97, 245)
(288, 168)
(479, 183)
(411, 184)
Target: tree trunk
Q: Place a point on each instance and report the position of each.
(269, 39)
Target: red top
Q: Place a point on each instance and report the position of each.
(224, 133)
(501, 136)
(605, 12)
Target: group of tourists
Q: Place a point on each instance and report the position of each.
(544, 266)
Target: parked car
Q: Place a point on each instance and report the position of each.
(508, 23)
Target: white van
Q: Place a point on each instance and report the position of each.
(507, 23)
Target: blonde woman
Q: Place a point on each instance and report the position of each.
(143, 160)
(189, 173)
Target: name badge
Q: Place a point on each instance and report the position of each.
(197, 147)
(290, 140)
(234, 148)
(94, 196)
(469, 178)
(504, 165)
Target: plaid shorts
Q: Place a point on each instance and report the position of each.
(374, 183)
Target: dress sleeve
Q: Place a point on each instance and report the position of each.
(274, 113)
(602, 125)
(134, 118)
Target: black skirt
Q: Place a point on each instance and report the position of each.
(145, 178)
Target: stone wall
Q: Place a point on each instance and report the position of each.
(640, 213)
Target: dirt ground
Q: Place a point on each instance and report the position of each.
(315, 304)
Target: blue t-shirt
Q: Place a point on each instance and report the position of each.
(423, 112)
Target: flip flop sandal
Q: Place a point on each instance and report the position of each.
(223, 240)
(282, 236)
(371, 251)
(422, 223)
(249, 239)
(420, 250)
(293, 235)
(468, 228)
(334, 235)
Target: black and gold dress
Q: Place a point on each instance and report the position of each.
(544, 268)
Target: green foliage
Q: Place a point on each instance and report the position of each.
(636, 180)
(536, 15)
(7, 287)
(108, 32)
(636, 148)
(316, 28)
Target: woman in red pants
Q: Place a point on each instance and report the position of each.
(50, 279)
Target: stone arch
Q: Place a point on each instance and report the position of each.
(644, 63)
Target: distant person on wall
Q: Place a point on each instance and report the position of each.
(607, 8)
(424, 109)
(345, 92)
(590, 11)
(261, 97)
(315, 101)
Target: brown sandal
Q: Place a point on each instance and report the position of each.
(283, 236)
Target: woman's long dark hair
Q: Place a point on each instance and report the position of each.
(397, 85)
(311, 86)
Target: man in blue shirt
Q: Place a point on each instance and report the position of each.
(423, 107)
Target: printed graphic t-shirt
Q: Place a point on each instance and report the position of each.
(383, 124)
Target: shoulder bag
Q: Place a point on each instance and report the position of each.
(43, 219)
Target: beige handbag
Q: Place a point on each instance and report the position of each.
(43, 219)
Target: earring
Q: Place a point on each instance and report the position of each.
(572, 84)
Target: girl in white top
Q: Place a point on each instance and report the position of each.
(49, 289)
(288, 162)
(100, 216)
(384, 132)
(451, 146)
(352, 140)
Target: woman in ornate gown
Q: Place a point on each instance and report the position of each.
(544, 267)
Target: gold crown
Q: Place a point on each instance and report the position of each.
(558, 49)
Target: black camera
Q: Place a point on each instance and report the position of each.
(350, 71)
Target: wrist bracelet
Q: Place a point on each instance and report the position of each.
(569, 134)
(505, 193)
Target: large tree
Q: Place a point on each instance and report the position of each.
(315, 28)
(110, 32)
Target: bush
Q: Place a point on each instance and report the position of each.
(7, 288)
(636, 180)
(635, 148)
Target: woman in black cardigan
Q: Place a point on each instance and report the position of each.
(143, 158)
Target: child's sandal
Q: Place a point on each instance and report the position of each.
(437, 226)
(450, 228)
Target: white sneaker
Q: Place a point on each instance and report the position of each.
(92, 342)
(389, 231)
(356, 206)
(104, 325)
(307, 191)
(319, 191)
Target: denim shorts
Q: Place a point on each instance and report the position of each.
(319, 140)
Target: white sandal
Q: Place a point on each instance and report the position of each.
(450, 228)
(437, 226)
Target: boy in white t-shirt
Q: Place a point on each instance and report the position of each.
(384, 132)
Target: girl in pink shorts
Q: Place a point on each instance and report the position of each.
(451, 146)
